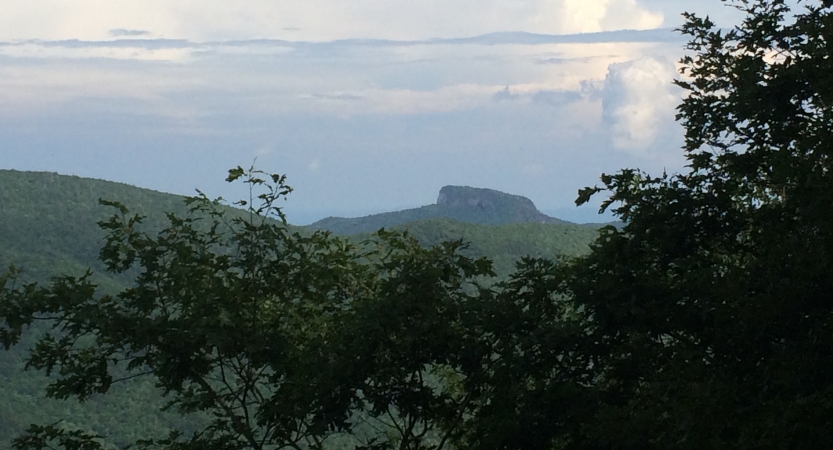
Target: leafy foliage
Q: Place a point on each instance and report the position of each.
(43, 209)
(281, 338)
(707, 316)
(704, 322)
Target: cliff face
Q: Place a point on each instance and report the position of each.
(462, 203)
(491, 206)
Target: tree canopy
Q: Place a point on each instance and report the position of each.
(709, 314)
(704, 322)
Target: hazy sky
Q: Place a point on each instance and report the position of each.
(367, 105)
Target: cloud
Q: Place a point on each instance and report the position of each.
(395, 98)
(457, 97)
(555, 98)
(320, 20)
(638, 103)
(503, 94)
(628, 14)
(545, 97)
(338, 79)
(591, 37)
(486, 47)
(592, 89)
(581, 16)
(488, 39)
(119, 32)
(337, 96)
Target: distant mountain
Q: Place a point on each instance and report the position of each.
(463, 203)
(48, 227)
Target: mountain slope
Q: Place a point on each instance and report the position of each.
(463, 203)
(506, 244)
(48, 227)
(49, 221)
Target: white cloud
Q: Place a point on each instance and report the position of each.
(397, 101)
(315, 164)
(138, 53)
(582, 16)
(638, 103)
(627, 14)
(316, 19)
(188, 80)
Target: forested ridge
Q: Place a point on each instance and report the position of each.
(704, 322)
(49, 228)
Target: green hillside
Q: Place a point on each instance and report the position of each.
(48, 227)
(49, 223)
(506, 244)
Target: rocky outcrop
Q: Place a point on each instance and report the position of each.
(491, 206)
(462, 203)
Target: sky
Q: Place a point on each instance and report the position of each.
(367, 106)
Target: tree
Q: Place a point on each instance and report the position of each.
(706, 321)
(282, 340)
(708, 317)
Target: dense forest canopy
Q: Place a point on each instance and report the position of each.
(705, 322)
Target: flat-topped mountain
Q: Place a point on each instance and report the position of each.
(488, 206)
(463, 203)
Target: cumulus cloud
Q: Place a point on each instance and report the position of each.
(592, 89)
(581, 16)
(628, 14)
(638, 103)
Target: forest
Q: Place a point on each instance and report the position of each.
(703, 322)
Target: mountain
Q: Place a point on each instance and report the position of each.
(48, 223)
(463, 203)
(48, 226)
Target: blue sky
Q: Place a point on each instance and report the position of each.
(367, 106)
